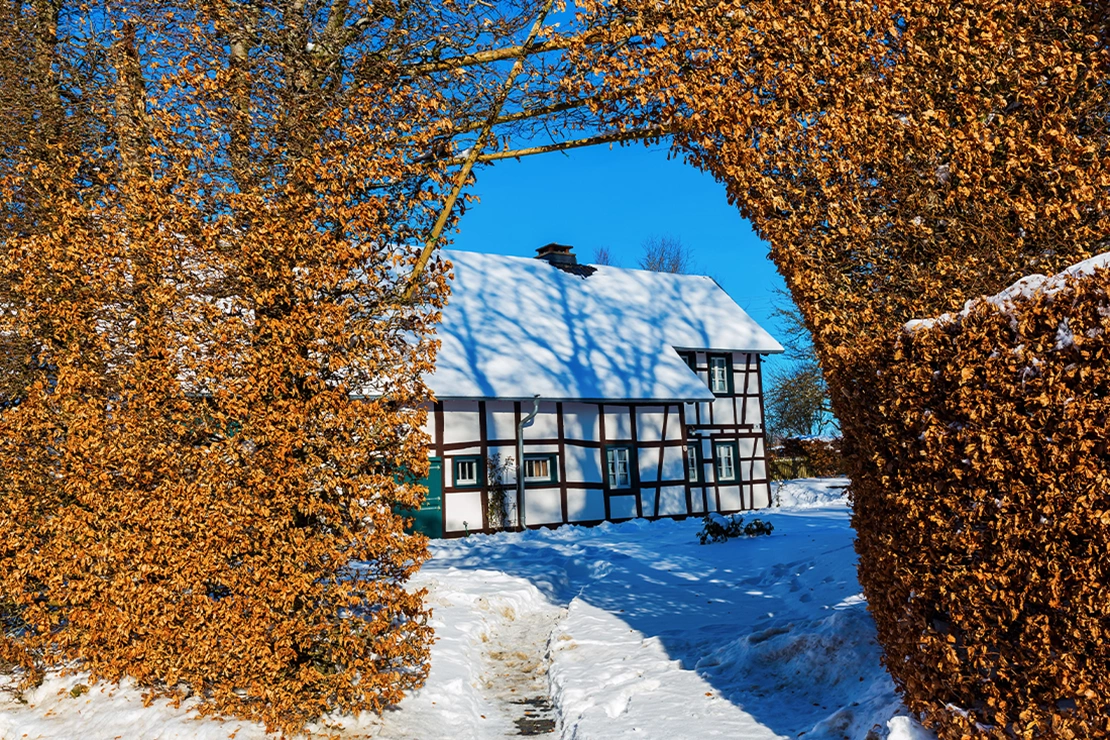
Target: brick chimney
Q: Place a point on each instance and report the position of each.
(561, 256)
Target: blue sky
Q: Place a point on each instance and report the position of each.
(589, 198)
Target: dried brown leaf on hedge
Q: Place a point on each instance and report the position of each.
(211, 398)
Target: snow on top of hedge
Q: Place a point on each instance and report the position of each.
(1021, 291)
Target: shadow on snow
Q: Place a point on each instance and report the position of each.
(774, 624)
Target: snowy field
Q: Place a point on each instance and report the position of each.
(629, 630)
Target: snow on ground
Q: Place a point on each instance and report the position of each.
(808, 493)
(629, 630)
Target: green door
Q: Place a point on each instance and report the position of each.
(429, 519)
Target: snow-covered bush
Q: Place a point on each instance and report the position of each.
(719, 528)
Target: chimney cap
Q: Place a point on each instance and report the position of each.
(553, 248)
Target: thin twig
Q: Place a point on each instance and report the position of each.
(611, 138)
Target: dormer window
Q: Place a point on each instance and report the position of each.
(720, 380)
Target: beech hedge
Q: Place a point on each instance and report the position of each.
(978, 447)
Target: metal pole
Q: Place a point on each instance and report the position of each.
(525, 422)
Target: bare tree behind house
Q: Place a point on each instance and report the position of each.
(797, 398)
(666, 254)
(604, 256)
(797, 401)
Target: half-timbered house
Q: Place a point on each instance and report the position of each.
(630, 393)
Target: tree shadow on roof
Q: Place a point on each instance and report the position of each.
(516, 328)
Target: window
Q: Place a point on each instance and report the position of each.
(620, 473)
(693, 464)
(691, 360)
(726, 461)
(720, 380)
(539, 469)
(468, 471)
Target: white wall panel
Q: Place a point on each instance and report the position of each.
(531, 448)
(759, 470)
(618, 424)
(649, 464)
(674, 423)
(542, 506)
(741, 378)
(673, 469)
(460, 421)
(580, 421)
(463, 507)
(546, 423)
(722, 412)
(672, 501)
(730, 498)
(649, 422)
(585, 506)
(500, 420)
(752, 415)
(583, 464)
(689, 411)
(762, 494)
(622, 507)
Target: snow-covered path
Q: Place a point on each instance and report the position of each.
(492, 630)
(660, 637)
(630, 630)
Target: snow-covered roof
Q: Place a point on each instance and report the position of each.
(515, 327)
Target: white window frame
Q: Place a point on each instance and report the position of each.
(619, 479)
(718, 381)
(693, 468)
(726, 462)
(532, 462)
(459, 479)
